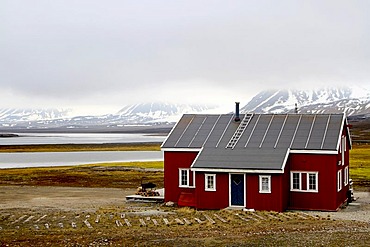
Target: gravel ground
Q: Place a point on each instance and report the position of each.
(61, 198)
(358, 210)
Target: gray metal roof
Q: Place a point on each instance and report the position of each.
(262, 143)
(241, 159)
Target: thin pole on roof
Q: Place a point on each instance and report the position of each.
(196, 133)
(309, 134)
(326, 130)
(223, 133)
(250, 135)
(268, 127)
(205, 141)
(281, 131)
(295, 132)
(182, 134)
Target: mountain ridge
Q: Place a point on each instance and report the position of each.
(328, 100)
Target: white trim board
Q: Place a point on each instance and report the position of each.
(181, 149)
(237, 170)
(313, 151)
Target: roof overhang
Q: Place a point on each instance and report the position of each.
(181, 149)
(251, 169)
(306, 151)
(237, 170)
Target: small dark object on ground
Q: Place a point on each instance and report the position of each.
(149, 185)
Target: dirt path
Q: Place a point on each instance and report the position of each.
(61, 198)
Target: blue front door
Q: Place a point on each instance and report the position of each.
(237, 189)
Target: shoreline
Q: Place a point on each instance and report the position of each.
(132, 146)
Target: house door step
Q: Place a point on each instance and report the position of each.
(240, 208)
(235, 208)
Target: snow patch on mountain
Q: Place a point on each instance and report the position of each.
(326, 100)
(159, 111)
(138, 114)
(25, 115)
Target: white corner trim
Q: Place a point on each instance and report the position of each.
(285, 159)
(196, 158)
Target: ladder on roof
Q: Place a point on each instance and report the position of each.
(239, 131)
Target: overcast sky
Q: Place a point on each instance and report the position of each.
(102, 55)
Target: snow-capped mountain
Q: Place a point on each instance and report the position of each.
(147, 114)
(12, 115)
(353, 101)
(154, 112)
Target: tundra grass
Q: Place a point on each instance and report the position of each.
(360, 166)
(117, 175)
(144, 165)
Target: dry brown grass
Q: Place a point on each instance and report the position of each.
(114, 176)
(236, 232)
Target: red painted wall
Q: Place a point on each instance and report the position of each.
(212, 199)
(327, 197)
(342, 195)
(265, 201)
(172, 162)
(285, 183)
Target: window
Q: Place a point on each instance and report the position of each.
(312, 181)
(339, 180)
(296, 181)
(304, 181)
(265, 184)
(210, 182)
(346, 176)
(184, 177)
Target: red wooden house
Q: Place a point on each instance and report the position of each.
(258, 161)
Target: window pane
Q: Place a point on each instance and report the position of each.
(210, 182)
(339, 178)
(296, 181)
(184, 177)
(265, 184)
(312, 181)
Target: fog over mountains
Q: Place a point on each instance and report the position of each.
(353, 101)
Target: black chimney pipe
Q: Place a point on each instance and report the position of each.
(237, 118)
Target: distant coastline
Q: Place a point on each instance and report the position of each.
(150, 130)
(8, 135)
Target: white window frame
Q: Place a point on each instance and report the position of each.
(261, 189)
(188, 178)
(339, 180)
(316, 174)
(181, 185)
(307, 174)
(206, 184)
(346, 176)
(291, 181)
